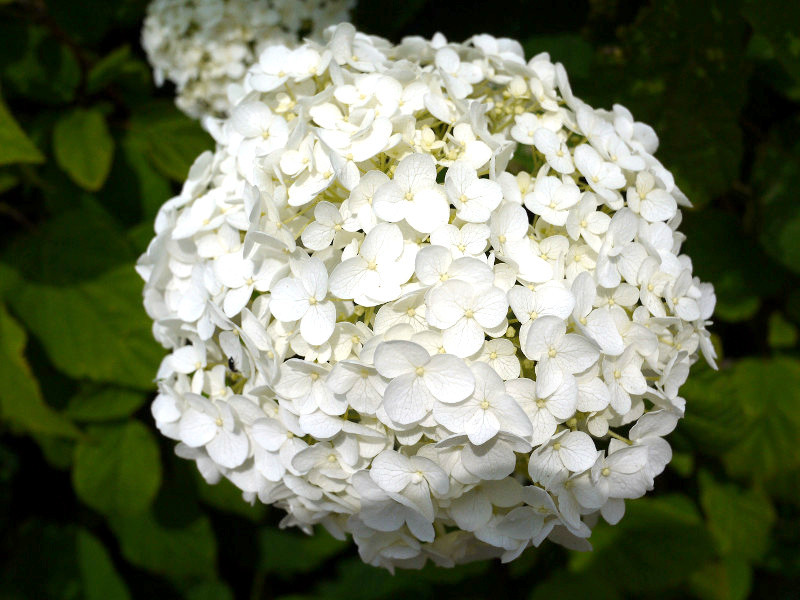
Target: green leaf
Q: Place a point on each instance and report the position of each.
(83, 147)
(665, 535)
(769, 393)
(779, 23)
(728, 579)
(60, 563)
(774, 176)
(107, 69)
(44, 70)
(117, 469)
(21, 402)
(100, 580)
(739, 520)
(104, 403)
(209, 590)
(94, 329)
(181, 550)
(714, 420)
(169, 139)
(284, 553)
(15, 147)
(781, 333)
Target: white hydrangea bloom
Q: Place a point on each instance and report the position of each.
(205, 47)
(377, 324)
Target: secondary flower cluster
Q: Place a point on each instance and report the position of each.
(205, 47)
(381, 323)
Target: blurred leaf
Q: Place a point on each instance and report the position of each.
(170, 140)
(85, 21)
(15, 147)
(179, 551)
(117, 469)
(83, 147)
(769, 393)
(100, 580)
(135, 189)
(782, 333)
(728, 579)
(45, 70)
(739, 520)
(56, 562)
(774, 175)
(714, 420)
(78, 244)
(209, 590)
(21, 402)
(8, 182)
(665, 535)
(104, 403)
(107, 69)
(287, 552)
(779, 23)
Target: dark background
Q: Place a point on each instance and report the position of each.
(93, 503)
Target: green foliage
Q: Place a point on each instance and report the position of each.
(117, 469)
(15, 147)
(83, 147)
(93, 503)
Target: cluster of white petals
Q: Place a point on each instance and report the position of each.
(380, 323)
(205, 47)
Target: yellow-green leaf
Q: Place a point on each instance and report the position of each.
(21, 402)
(15, 146)
(117, 469)
(83, 147)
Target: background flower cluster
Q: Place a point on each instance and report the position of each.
(91, 152)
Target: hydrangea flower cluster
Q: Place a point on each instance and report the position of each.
(379, 323)
(205, 47)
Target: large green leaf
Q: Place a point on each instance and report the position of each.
(103, 403)
(94, 329)
(100, 579)
(739, 520)
(769, 393)
(21, 402)
(78, 293)
(182, 550)
(664, 536)
(15, 147)
(83, 147)
(117, 468)
(168, 138)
